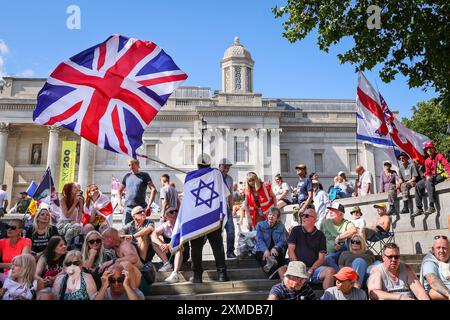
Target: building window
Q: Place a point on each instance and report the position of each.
(318, 162)
(36, 153)
(151, 152)
(237, 78)
(189, 154)
(241, 149)
(284, 159)
(351, 160)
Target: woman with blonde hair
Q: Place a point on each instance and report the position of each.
(21, 283)
(93, 254)
(358, 258)
(73, 283)
(41, 231)
(259, 198)
(95, 201)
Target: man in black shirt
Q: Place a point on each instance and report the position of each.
(308, 244)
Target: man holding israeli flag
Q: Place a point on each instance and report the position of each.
(203, 213)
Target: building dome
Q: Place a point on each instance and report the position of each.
(237, 50)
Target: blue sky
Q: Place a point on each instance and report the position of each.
(34, 39)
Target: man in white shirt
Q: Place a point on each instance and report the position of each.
(364, 182)
(3, 200)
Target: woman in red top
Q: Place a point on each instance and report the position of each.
(14, 245)
(259, 198)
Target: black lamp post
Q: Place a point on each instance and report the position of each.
(204, 128)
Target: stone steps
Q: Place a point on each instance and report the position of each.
(211, 275)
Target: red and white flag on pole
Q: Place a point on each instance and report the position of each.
(378, 126)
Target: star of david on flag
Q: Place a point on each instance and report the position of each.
(109, 93)
(204, 206)
(205, 197)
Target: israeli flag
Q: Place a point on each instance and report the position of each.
(203, 208)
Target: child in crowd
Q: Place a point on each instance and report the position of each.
(357, 220)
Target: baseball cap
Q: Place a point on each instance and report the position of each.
(137, 210)
(346, 273)
(337, 207)
(205, 160)
(296, 269)
(300, 165)
(341, 173)
(315, 182)
(24, 192)
(225, 162)
(385, 162)
(356, 209)
(380, 205)
(403, 154)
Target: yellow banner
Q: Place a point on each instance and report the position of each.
(68, 157)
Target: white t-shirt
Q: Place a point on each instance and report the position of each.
(3, 197)
(278, 190)
(359, 223)
(166, 229)
(365, 179)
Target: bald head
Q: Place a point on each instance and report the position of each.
(111, 233)
(441, 249)
(359, 169)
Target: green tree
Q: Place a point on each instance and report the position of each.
(431, 120)
(413, 37)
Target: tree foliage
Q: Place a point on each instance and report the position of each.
(413, 38)
(430, 119)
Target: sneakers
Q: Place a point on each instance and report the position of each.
(222, 275)
(196, 278)
(430, 210)
(416, 213)
(231, 255)
(405, 210)
(271, 262)
(173, 278)
(166, 267)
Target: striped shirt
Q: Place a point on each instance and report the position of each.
(283, 293)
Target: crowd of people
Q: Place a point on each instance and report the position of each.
(73, 252)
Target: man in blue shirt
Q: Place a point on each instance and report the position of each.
(136, 183)
(435, 270)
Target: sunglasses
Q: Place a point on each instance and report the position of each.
(75, 263)
(11, 227)
(392, 257)
(97, 241)
(355, 242)
(306, 216)
(173, 212)
(116, 280)
(440, 237)
(140, 212)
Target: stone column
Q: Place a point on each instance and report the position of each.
(52, 156)
(207, 143)
(230, 134)
(4, 132)
(262, 152)
(226, 144)
(370, 165)
(275, 151)
(86, 165)
(220, 153)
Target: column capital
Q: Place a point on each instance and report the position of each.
(54, 129)
(5, 127)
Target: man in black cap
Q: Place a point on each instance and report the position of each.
(215, 240)
(408, 178)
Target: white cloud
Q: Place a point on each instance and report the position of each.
(28, 73)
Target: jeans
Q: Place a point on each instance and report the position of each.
(216, 241)
(229, 227)
(429, 185)
(361, 268)
(331, 259)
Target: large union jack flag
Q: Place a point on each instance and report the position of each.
(109, 93)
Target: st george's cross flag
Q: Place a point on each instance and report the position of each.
(203, 208)
(378, 126)
(103, 211)
(109, 93)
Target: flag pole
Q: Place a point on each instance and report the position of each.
(163, 163)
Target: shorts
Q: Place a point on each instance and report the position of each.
(315, 276)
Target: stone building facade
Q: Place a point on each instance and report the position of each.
(265, 135)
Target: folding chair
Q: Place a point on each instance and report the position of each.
(377, 241)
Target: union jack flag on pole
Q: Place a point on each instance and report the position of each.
(109, 93)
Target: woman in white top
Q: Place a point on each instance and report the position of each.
(282, 192)
(69, 224)
(21, 283)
